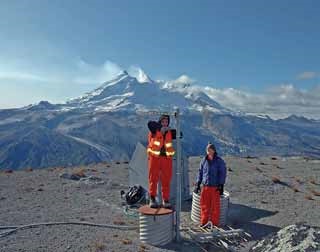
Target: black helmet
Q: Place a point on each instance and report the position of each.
(135, 194)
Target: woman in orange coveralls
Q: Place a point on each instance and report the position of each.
(160, 151)
(212, 174)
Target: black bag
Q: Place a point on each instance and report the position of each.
(135, 194)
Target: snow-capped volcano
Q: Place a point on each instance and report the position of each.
(142, 93)
(142, 77)
(105, 124)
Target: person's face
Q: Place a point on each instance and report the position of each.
(164, 122)
(210, 153)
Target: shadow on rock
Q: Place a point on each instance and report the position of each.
(242, 216)
(186, 205)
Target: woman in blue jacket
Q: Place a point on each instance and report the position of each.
(212, 174)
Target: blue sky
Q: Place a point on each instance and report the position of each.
(53, 50)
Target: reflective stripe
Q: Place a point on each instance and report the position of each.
(153, 152)
(168, 145)
(156, 143)
(170, 153)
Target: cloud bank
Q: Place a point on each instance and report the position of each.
(307, 75)
(279, 102)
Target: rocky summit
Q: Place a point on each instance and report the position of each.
(298, 237)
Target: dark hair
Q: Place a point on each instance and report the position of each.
(211, 146)
(163, 116)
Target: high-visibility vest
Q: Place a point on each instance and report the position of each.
(157, 141)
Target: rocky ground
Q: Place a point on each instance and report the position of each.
(267, 194)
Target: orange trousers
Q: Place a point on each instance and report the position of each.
(160, 168)
(210, 205)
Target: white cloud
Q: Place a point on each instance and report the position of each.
(20, 76)
(184, 79)
(139, 74)
(281, 101)
(78, 72)
(306, 75)
(95, 74)
(24, 72)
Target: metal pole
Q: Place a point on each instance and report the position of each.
(178, 204)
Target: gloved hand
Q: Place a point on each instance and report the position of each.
(221, 189)
(197, 188)
(164, 129)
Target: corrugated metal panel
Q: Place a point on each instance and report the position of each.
(224, 205)
(156, 229)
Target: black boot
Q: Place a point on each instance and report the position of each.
(153, 202)
(166, 204)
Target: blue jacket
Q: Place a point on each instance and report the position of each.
(212, 172)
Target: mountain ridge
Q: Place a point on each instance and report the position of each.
(106, 124)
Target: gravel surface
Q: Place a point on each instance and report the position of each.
(266, 194)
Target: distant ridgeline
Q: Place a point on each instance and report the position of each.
(107, 123)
